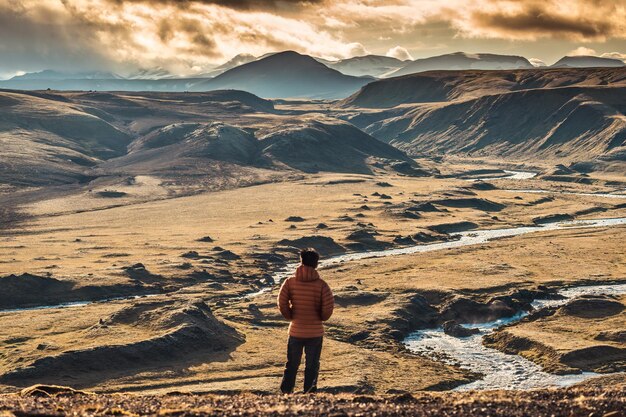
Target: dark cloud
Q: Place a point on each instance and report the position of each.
(283, 5)
(536, 20)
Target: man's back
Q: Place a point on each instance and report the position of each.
(307, 301)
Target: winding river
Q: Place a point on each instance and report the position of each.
(501, 371)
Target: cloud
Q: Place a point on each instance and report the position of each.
(536, 62)
(614, 55)
(582, 51)
(399, 53)
(577, 20)
(190, 35)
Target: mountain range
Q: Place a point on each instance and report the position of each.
(285, 74)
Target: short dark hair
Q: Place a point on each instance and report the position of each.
(309, 257)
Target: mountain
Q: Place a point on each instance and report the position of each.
(587, 62)
(287, 75)
(441, 86)
(463, 61)
(372, 65)
(568, 123)
(60, 75)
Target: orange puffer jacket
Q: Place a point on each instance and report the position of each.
(306, 300)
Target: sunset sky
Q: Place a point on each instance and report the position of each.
(191, 36)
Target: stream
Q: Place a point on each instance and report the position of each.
(502, 371)
(468, 238)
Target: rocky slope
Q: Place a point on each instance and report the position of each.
(571, 123)
(40, 400)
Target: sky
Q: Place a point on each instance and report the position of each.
(191, 36)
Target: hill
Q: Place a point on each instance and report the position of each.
(285, 74)
(327, 145)
(587, 62)
(463, 61)
(47, 140)
(64, 138)
(570, 123)
(302, 145)
(440, 86)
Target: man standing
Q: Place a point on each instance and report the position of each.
(306, 301)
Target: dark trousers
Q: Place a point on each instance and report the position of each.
(313, 349)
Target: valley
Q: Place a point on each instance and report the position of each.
(138, 224)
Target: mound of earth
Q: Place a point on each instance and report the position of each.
(595, 307)
(184, 331)
(475, 203)
(326, 246)
(552, 218)
(27, 290)
(454, 227)
(356, 297)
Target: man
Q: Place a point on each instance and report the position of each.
(306, 301)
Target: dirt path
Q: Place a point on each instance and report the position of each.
(564, 402)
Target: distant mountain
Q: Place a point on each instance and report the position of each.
(372, 65)
(60, 75)
(442, 86)
(286, 75)
(587, 62)
(463, 61)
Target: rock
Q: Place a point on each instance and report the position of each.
(474, 203)
(591, 308)
(205, 239)
(483, 186)
(324, 245)
(228, 255)
(424, 207)
(454, 329)
(454, 227)
(294, 219)
(403, 240)
(41, 390)
(552, 218)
